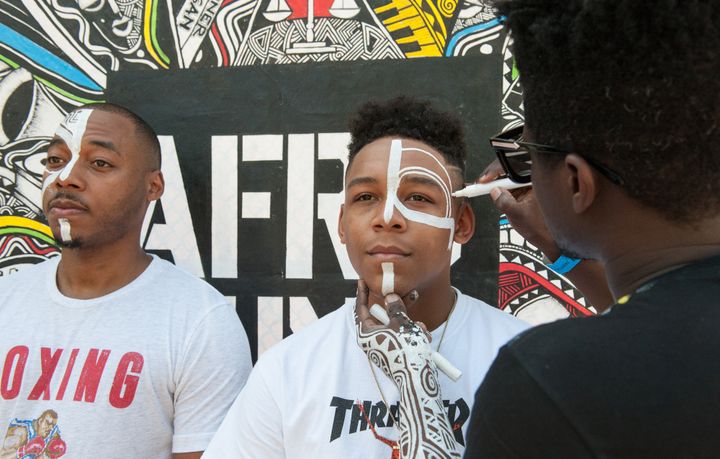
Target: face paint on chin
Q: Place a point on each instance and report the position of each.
(394, 176)
(71, 131)
(388, 279)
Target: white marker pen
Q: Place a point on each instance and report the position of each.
(479, 189)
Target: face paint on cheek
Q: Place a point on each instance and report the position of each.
(388, 279)
(71, 130)
(65, 230)
(395, 174)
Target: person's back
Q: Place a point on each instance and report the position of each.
(621, 129)
(638, 381)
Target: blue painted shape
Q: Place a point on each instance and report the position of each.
(470, 30)
(45, 58)
(504, 221)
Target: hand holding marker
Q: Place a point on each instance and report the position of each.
(378, 312)
(479, 189)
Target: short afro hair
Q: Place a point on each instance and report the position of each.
(631, 83)
(410, 118)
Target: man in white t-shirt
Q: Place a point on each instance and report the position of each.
(108, 351)
(316, 394)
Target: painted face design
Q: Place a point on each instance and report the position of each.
(396, 173)
(71, 130)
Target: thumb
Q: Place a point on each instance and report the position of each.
(504, 200)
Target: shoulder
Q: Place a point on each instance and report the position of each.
(550, 352)
(27, 275)
(492, 317)
(323, 332)
(174, 282)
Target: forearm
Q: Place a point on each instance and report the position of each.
(425, 429)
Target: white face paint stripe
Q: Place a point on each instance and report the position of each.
(71, 131)
(388, 279)
(436, 178)
(393, 177)
(65, 230)
(395, 174)
(434, 159)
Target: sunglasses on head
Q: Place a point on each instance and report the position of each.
(514, 156)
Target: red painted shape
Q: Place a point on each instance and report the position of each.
(528, 279)
(300, 8)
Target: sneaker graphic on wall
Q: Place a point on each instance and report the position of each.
(34, 438)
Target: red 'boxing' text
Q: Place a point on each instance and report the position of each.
(122, 391)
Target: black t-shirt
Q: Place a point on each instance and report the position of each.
(642, 381)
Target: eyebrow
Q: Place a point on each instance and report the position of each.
(421, 180)
(361, 181)
(56, 141)
(105, 144)
(100, 143)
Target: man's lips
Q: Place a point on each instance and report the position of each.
(63, 207)
(388, 252)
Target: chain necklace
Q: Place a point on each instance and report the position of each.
(394, 444)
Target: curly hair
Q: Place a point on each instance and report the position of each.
(631, 83)
(410, 118)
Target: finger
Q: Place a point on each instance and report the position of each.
(394, 304)
(425, 330)
(362, 312)
(410, 299)
(397, 311)
(493, 171)
(504, 201)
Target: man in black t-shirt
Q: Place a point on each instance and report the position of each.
(623, 131)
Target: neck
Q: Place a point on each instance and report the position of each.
(432, 306)
(86, 273)
(659, 250)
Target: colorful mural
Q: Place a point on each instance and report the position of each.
(56, 55)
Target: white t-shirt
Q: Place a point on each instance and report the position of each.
(144, 371)
(301, 400)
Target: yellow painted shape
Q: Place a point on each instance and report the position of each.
(411, 15)
(146, 35)
(23, 222)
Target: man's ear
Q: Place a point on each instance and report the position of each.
(156, 185)
(341, 231)
(465, 223)
(583, 181)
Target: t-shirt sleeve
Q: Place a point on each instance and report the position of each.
(253, 426)
(513, 417)
(214, 366)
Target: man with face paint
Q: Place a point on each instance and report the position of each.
(324, 392)
(105, 334)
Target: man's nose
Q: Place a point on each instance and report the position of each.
(388, 216)
(71, 175)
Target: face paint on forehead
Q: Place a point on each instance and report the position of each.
(395, 175)
(71, 131)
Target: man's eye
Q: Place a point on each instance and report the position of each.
(101, 163)
(418, 198)
(53, 161)
(364, 197)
